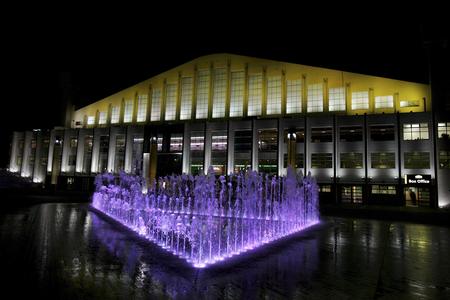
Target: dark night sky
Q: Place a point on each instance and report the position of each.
(107, 63)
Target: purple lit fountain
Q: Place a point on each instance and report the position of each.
(204, 219)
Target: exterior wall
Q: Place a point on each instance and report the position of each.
(14, 164)
(208, 91)
(351, 82)
(335, 177)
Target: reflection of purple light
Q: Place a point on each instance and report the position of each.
(205, 220)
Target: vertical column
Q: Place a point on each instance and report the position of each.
(254, 146)
(95, 150)
(396, 102)
(130, 130)
(37, 168)
(281, 137)
(25, 169)
(186, 148)
(153, 158)
(97, 116)
(230, 148)
(80, 150)
(348, 97)
(207, 147)
(13, 153)
(122, 111)
(112, 148)
(371, 101)
(291, 148)
(108, 115)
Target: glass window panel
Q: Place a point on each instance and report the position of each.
(360, 100)
(382, 160)
(315, 97)
(91, 120)
(156, 105)
(444, 159)
(293, 96)
(384, 101)
(219, 93)
(242, 150)
(237, 94)
(417, 131)
(115, 114)
(417, 160)
(336, 99)
(254, 94)
(119, 159)
(409, 103)
(382, 133)
(102, 117)
(274, 95)
(321, 135)
(444, 130)
(321, 160)
(351, 160)
(267, 151)
(197, 153)
(128, 111)
(176, 142)
(350, 134)
(171, 102)
(202, 94)
(142, 108)
(219, 152)
(186, 98)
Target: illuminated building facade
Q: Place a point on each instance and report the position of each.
(363, 137)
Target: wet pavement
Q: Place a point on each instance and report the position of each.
(66, 251)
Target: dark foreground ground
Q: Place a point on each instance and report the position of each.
(66, 251)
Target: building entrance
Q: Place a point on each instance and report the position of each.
(417, 196)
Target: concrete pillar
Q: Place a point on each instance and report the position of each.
(291, 148)
(153, 158)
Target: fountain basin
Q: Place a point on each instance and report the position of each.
(205, 220)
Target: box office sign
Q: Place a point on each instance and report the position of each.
(417, 179)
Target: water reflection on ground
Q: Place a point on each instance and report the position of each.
(67, 251)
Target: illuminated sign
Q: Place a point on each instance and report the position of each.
(417, 179)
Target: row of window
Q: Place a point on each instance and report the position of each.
(267, 154)
(417, 131)
(379, 160)
(294, 97)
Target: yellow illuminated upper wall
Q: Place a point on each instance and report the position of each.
(352, 82)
